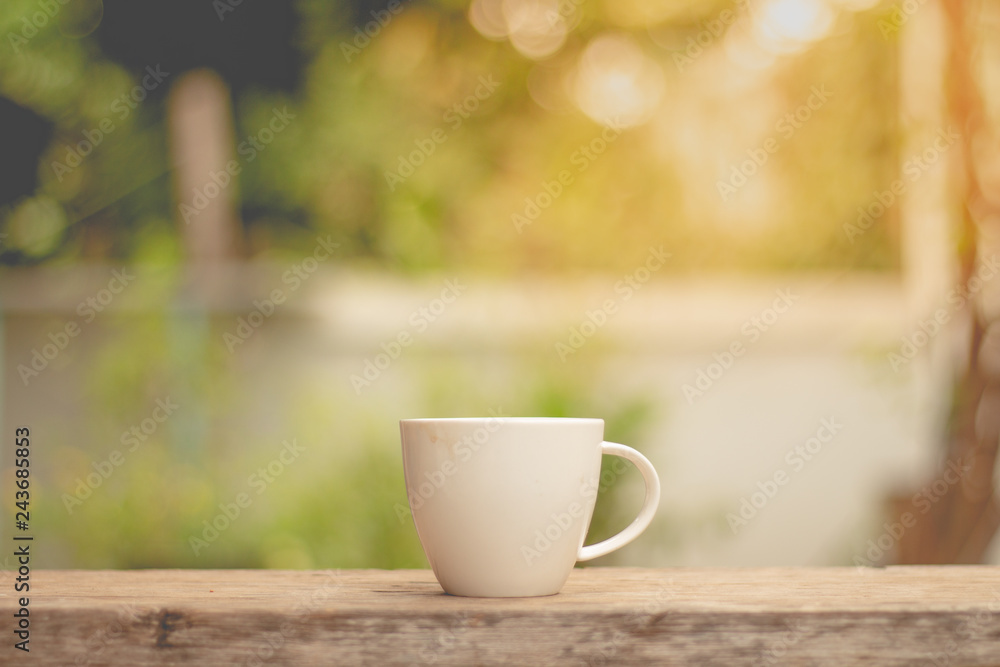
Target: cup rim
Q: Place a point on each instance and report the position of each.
(504, 420)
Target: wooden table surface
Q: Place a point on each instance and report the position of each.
(604, 616)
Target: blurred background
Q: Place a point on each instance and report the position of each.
(240, 241)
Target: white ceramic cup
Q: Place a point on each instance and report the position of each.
(502, 505)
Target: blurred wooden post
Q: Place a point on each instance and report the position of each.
(961, 524)
(201, 145)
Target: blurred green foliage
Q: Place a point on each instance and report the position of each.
(341, 502)
(357, 116)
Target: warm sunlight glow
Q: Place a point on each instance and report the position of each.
(616, 82)
(788, 26)
(487, 17)
(536, 28)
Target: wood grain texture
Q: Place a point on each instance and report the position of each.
(604, 616)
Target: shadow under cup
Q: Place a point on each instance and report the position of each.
(502, 505)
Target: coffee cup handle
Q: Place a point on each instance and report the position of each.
(649, 504)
